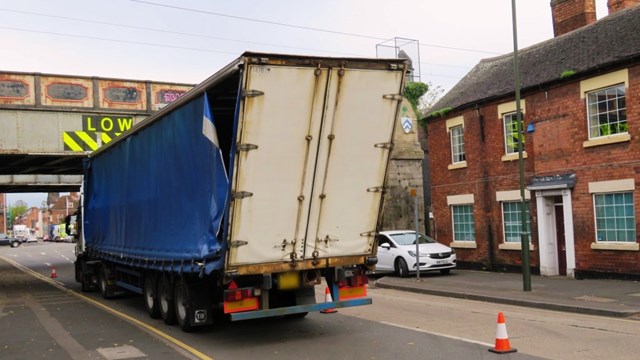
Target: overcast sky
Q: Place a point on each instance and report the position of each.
(187, 41)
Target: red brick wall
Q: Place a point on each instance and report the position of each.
(615, 5)
(569, 15)
(555, 147)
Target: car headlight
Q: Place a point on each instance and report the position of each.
(453, 251)
(413, 253)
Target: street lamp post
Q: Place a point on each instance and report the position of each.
(524, 238)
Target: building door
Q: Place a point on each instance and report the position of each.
(560, 238)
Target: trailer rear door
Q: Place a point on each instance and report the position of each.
(313, 149)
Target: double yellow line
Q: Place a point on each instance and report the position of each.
(121, 315)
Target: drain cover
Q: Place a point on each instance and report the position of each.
(121, 352)
(594, 299)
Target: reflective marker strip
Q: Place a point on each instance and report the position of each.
(351, 292)
(93, 145)
(242, 305)
(70, 143)
(105, 138)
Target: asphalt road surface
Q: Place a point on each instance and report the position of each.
(45, 318)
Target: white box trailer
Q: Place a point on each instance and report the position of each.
(246, 191)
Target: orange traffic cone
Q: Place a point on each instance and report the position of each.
(53, 272)
(502, 339)
(328, 299)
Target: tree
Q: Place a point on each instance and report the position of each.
(18, 209)
(422, 97)
(430, 98)
(412, 92)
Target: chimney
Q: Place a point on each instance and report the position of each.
(615, 5)
(569, 15)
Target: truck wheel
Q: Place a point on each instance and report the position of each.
(150, 294)
(105, 289)
(182, 299)
(165, 295)
(86, 284)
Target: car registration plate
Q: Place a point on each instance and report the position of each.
(440, 262)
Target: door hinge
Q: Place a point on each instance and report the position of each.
(396, 97)
(376, 189)
(384, 145)
(246, 147)
(241, 195)
(252, 93)
(238, 243)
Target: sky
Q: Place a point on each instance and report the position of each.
(187, 41)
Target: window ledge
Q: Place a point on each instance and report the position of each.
(515, 156)
(616, 246)
(514, 246)
(464, 245)
(604, 140)
(459, 165)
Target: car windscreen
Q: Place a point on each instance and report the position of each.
(409, 238)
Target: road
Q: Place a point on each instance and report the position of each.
(397, 326)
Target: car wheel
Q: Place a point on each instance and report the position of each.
(15, 244)
(165, 297)
(401, 268)
(445, 271)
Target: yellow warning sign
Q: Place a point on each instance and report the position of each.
(81, 141)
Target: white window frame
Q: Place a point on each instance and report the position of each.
(505, 136)
(600, 82)
(611, 187)
(465, 199)
(451, 124)
(614, 87)
(457, 132)
(513, 196)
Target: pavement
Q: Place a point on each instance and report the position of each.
(615, 298)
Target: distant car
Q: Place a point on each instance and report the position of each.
(30, 238)
(6, 240)
(397, 253)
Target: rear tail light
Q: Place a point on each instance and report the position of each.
(240, 299)
(353, 287)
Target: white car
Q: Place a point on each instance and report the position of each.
(397, 253)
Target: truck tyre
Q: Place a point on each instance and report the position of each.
(165, 297)
(150, 293)
(86, 284)
(401, 268)
(105, 289)
(182, 301)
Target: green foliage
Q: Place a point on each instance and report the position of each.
(19, 209)
(413, 91)
(441, 112)
(616, 128)
(567, 74)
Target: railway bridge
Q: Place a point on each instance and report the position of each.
(49, 123)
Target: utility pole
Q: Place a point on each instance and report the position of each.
(524, 238)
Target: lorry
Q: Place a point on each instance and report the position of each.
(238, 199)
(21, 232)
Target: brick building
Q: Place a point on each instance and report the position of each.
(580, 104)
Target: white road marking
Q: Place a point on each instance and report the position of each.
(48, 264)
(438, 334)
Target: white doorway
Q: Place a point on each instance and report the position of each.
(555, 233)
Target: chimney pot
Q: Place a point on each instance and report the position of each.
(616, 5)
